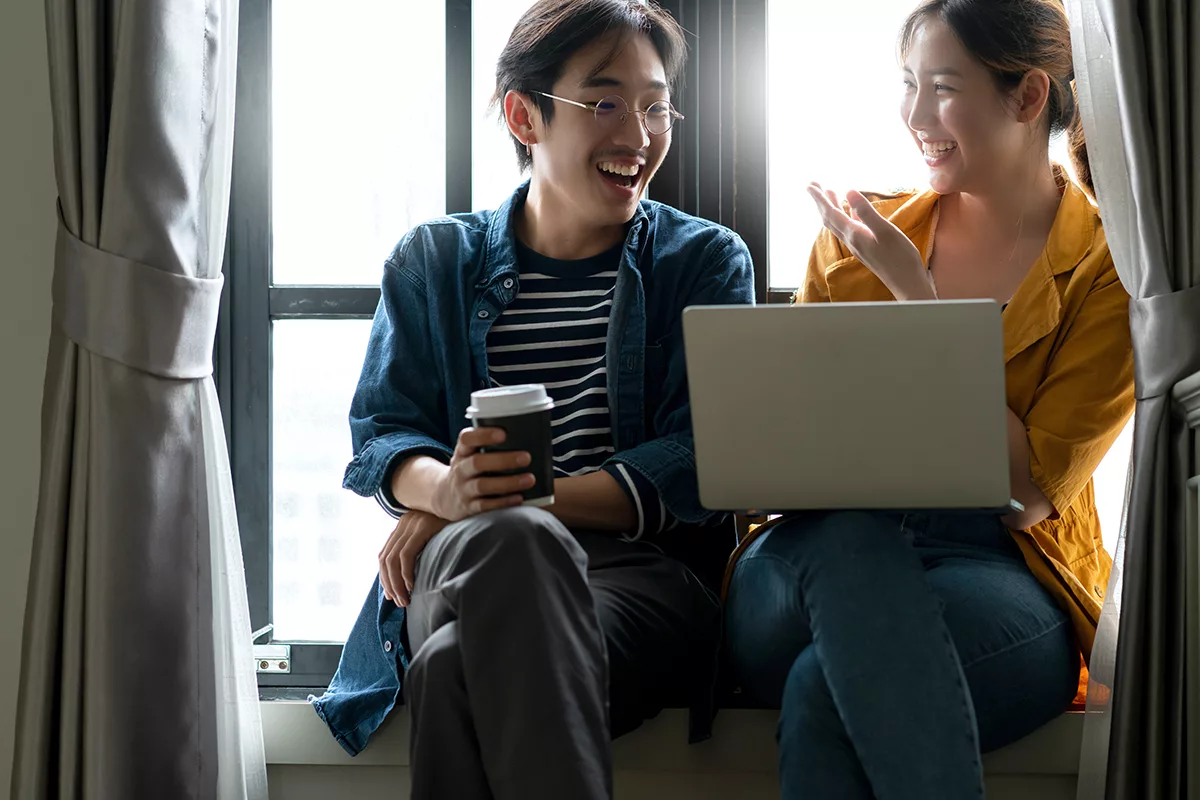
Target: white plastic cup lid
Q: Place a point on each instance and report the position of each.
(508, 401)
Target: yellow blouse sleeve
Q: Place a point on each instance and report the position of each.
(826, 251)
(1087, 396)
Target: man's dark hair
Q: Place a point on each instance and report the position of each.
(554, 30)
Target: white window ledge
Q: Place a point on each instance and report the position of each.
(743, 741)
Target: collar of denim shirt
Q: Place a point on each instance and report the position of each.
(500, 255)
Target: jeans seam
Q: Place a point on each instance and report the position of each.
(967, 711)
(1015, 645)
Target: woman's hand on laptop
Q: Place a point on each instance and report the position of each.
(877, 243)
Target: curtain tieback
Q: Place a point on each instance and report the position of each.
(147, 319)
(1166, 340)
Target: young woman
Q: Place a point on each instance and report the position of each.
(900, 646)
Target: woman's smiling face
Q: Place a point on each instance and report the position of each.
(962, 122)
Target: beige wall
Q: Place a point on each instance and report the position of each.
(26, 254)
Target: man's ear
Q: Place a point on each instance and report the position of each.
(522, 117)
(1031, 96)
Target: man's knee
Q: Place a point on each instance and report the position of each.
(437, 665)
(520, 538)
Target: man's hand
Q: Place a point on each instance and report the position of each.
(470, 486)
(398, 558)
(877, 243)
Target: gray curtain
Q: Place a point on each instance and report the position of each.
(1138, 77)
(137, 680)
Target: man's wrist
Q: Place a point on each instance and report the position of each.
(417, 482)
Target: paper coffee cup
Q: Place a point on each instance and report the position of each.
(524, 413)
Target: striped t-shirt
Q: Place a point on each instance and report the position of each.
(554, 333)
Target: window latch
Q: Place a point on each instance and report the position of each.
(270, 657)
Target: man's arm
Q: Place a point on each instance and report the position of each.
(415, 482)
(667, 463)
(594, 502)
(472, 483)
(395, 413)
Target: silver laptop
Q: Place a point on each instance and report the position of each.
(897, 406)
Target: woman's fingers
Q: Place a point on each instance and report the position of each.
(831, 214)
(866, 213)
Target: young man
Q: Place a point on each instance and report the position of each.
(527, 637)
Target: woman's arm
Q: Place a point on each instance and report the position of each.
(1024, 490)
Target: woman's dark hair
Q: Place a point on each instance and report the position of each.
(1010, 38)
(554, 30)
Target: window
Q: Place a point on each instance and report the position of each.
(357, 121)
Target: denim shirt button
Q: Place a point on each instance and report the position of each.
(482, 314)
(630, 363)
(508, 283)
(387, 646)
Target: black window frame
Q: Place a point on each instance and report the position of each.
(717, 169)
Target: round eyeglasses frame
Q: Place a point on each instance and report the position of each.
(612, 111)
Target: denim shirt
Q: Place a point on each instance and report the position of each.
(444, 285)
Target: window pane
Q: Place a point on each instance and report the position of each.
(494, 172)
(358, 133)
(845, 133)
(325, 539)
(1110, 480)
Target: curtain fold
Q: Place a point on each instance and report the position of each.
(137, 676)
(1138, 80)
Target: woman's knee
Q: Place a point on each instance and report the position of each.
(765, 626)
(833, 536)
(844, 553)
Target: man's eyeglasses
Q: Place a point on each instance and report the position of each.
(611, 113)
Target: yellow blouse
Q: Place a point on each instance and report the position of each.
(1069, 376)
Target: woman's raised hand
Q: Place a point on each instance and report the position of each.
(877, 243)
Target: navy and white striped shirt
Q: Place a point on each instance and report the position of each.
(554, 333)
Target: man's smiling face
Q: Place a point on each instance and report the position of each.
(600, 172)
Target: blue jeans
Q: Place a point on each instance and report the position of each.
(898, 647)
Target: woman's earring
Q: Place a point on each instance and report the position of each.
(528, 152)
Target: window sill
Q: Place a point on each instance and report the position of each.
(744, 741)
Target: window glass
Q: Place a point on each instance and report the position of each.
(325, 539)
(494, 172)
(358, 136)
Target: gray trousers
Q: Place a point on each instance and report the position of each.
(534, 645)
